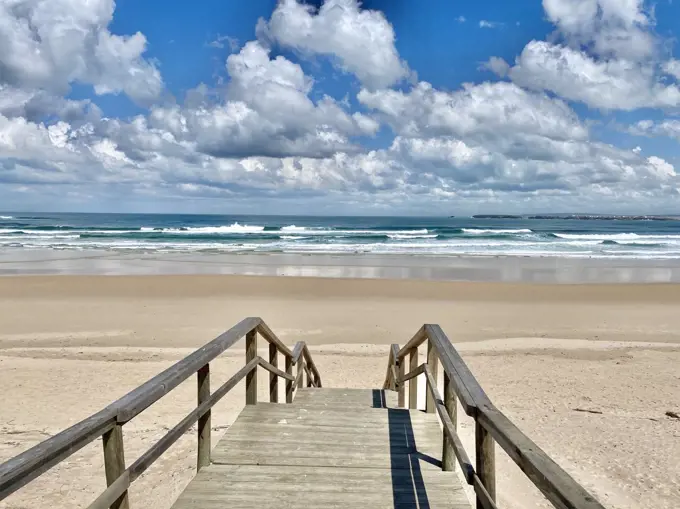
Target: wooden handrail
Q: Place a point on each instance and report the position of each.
(491, 425)
(25, 467)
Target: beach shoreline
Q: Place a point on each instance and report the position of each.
(70, 345)
(464, 268)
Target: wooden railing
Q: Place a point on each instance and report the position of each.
(108, 423)
(491, 426)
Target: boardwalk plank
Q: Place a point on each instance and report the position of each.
(330, 448)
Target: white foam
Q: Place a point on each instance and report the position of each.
(400, 236)
(597, 236)
(478, 231)
(301, 229)
(202, 230)
(6, 217)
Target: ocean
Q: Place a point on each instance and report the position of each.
(621, 237)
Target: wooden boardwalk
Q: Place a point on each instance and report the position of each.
(329, 448)
(323, 447)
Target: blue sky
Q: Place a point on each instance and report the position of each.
(340, 107)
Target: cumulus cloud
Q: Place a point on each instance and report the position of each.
(499, 136)
(267, 131)
(605, 84)
(266, 111)
(49, 44)
(360, 41)
(669, 128)
(605, 54)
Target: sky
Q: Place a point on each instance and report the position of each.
(389, 107)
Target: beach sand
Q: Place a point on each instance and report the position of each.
(69, 345)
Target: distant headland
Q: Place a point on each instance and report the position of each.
(583, 217)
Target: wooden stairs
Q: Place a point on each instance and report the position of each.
(322, 448)
(330, 448)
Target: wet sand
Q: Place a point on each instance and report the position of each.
(69, 345)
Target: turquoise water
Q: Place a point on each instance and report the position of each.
(557, 236)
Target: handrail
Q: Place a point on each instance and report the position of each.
(491, 425)
(108, 422)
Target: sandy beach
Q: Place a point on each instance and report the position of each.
(544, 353)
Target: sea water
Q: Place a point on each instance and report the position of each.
(564, 236)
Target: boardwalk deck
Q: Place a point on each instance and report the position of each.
(322, 448)
(329, 448)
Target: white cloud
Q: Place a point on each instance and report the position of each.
(461, 19)
(49, 44)
(604, 84)
(489, 24)
(613, 28)
(267, 133)
(669, 128)
(604, 54)
(266, 112)
(360, 41)
(497, 66)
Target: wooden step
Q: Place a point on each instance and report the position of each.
(265, 487)
(330, 448)
(347, 398)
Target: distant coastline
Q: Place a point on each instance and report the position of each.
(579, 217)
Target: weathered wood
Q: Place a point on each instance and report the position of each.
(413, 384)
(148, 393)
(467, 388)
(401, 387)
(309, 362)
(432, 364)
(111, 494)
(483, 497)
(346, 398)
(297, 351)
(394, 375)
(155, 451)
(274, 370)
(269, 336)
(273, 378)
(204, 427)
(417, 371)
(290, 381)
(310, 378)
(389, 383)
(449, 428)
(413, 343)
(448, 454)
(273, 454)
(299, 379)
(28, 465)
(486, 462)
(251, 377)
(556, 484)
(114, 462)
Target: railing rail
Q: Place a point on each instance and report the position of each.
(108, 423)
(491, 425)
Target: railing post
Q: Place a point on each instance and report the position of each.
(413, 383)
(203, 458)
(300, 372)
(432, 362)
(251, 378)
(114, 462)
(448, 456)
(273, 379)
(486, 461)
(401, 386)
(289, 383)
